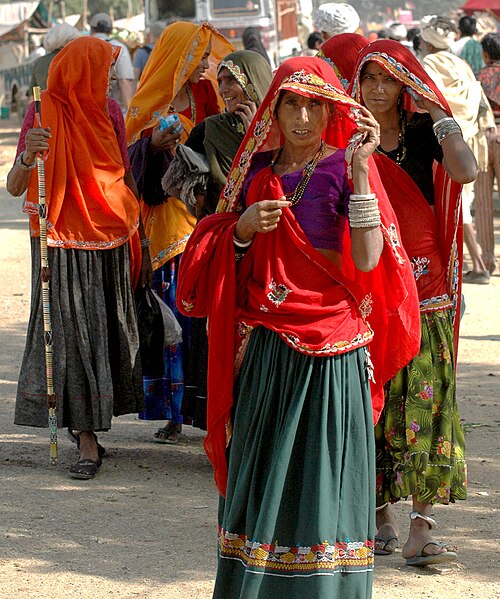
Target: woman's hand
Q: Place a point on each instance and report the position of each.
(261, 217)
(37, 142)
(246, 111)
(165, 141)
(368, 125)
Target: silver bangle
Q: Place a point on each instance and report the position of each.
(356, 197)
(364, 214)
(445, 119)
(145, 242)
(241, 244)
(445, 127)
(25, 167)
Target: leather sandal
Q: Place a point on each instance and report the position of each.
(85, 469)
(169, 434)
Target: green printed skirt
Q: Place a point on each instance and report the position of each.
(419, 438)
(298, 518)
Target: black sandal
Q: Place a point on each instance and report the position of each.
(85, 469)
(74, 438)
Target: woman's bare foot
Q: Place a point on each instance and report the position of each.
(386, 539)
(420, 541)
(88, 446)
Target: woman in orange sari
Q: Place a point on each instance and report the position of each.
(93, 224)
(179, 77)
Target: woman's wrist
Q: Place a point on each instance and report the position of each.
(242, 236)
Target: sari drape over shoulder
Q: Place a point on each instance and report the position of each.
(285, 284)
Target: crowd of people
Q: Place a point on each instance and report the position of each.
(306, 228)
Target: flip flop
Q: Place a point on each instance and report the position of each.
(385, 549)
(168, 435)
(427, 559)
(85, 469)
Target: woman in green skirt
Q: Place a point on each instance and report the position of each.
(291, 272)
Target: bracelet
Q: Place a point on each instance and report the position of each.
(356, 197)
(145, 242)
(364, 214)
(241, 244)
(445, 127)
(25, 167)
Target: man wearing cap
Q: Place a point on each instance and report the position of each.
(334, 18)
(101, 26)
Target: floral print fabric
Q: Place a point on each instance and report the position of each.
(420, 441)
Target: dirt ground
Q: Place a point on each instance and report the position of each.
(146, 526)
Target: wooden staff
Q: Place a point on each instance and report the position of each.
(45, 278)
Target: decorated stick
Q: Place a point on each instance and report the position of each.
(45, 278)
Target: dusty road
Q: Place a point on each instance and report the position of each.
(146, 527)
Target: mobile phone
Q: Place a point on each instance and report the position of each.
(168, 121)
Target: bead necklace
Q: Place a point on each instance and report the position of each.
(307, 173)
(401, 149)
(192, 104)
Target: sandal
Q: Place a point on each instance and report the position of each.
(169, 434)
(85, 469)
(384, 546)
(74, 438)
(426, 559)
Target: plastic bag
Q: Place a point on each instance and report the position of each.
(172, 330)
(151, 333)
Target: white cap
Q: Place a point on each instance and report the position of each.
(335, 18)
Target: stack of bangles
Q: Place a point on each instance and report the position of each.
(241, 247)
(445, 127)
(145, 242)
(363, 211)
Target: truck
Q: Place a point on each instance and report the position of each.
(279, 21)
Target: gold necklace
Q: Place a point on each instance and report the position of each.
(192, 103)
(307, 173)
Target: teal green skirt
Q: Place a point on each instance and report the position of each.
(419, 438)
(298, 518)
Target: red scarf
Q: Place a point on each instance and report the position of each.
(286, 285)
(433, 240)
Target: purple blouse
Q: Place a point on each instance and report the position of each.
(322, 210)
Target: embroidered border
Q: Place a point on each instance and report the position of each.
(238, 73)
(439, 302)
(300, 559)
(162, 256)
(330, 348)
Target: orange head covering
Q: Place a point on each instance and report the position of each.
(89, 206)
(176, 54)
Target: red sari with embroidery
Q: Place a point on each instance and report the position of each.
(317, 308)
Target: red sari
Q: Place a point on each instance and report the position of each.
(333, 309)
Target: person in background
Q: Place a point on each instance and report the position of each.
(314, 42)
(142, 54)
(101, 26)
(55, 40)
(467, 47)
(179, 78)
(341, 52)
(396, 31)
(96, 252)
(252, 40)
(489, 76)
(244, 78)
(463, 93)
(334, 18)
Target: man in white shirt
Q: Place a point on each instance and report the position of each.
(101, 26)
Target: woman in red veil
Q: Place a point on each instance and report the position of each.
(422, 161)
(292, 273)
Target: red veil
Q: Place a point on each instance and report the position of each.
(283, 283)
(432, 240)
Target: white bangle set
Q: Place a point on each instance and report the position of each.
(445, 127)
(356, 197)
(25, 167)
(364, 213)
